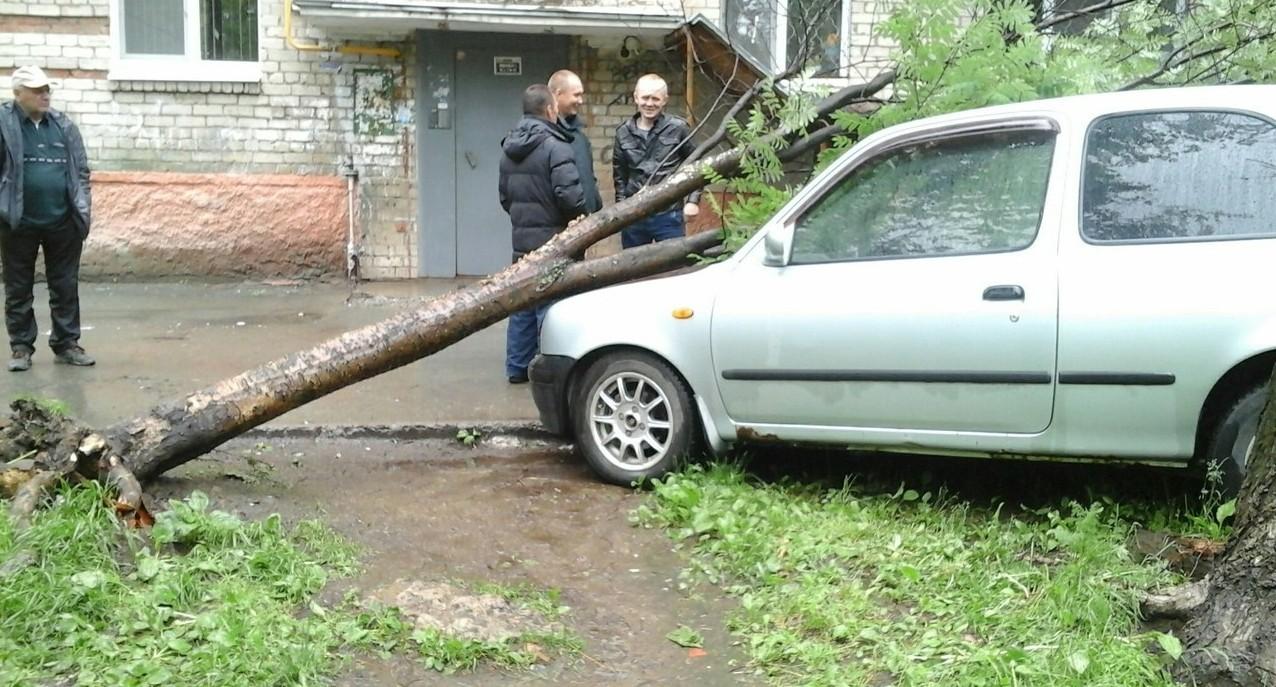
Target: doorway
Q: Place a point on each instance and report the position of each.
(469, 94)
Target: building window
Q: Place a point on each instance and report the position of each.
(184, 40)
(780, 33)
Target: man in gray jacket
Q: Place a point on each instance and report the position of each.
(44, 205)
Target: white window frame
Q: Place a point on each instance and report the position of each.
(781, 47)
(188, 67)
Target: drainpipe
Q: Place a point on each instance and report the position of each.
(691, 75)
(352, 185)
(344, 49)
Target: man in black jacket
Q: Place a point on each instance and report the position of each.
(569, 96)
(649, 147)
(44, 204)
(540, 189)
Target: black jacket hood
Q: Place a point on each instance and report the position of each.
(530, 132)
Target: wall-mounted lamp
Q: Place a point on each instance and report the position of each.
(626, 52)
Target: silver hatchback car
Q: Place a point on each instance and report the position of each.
(1083, 278)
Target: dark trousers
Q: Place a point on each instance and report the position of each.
(18, 250)
(659, 227)
(523, 338)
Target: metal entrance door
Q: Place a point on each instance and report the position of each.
(465, 231)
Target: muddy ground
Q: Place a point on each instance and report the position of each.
(512, 511)
(520, 510)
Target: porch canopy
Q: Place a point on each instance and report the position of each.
(373, 17)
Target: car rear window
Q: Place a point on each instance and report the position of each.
(1166, 176)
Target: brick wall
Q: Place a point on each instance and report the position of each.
(870, 53)
(304, 119)
(299, 120)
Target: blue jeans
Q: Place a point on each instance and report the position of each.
(659, 227)
(522, 339)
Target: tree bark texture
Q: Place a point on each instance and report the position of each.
(1231, 639)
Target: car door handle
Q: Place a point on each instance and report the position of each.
(1003, 293)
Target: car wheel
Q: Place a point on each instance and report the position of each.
(1233, 441)
(632, 417)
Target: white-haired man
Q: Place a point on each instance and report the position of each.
(649, 147)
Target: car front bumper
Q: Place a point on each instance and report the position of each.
(549, 375)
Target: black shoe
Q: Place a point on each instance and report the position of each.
(20, 361)
(74, 356)
(518, 379)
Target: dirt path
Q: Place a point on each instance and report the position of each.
(433, 510)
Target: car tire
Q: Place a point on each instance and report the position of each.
(1234, 439)
(633, 417)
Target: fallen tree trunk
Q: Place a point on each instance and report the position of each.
(177, 431)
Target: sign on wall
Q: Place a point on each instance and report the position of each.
(507, 66)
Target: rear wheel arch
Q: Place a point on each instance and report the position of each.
(1229, 419)
(1237, 382)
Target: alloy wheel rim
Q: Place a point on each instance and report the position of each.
(631, 421)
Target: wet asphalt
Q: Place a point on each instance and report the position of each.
(157, 341)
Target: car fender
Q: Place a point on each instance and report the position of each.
(669, 317)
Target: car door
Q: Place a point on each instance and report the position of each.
(920, 294)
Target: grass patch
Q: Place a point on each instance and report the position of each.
(448, 654)
(204, 599)
(850, 586)
(52, 406)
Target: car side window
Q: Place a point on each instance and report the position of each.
(980, 193)
(1163, 176)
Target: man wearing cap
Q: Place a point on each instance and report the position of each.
(44, 204)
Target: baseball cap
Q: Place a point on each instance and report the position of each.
(30, 77)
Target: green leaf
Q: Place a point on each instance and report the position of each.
(1170, 645)
(147, 568)
(198, 501)
(1225, 511)
(89, 579)
(1079, 662)
(686, 638)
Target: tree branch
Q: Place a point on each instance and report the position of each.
(633, 263)
(1096, 8)
(1166, 66)
(1179, 602)
(810, 142)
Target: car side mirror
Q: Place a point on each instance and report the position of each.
(778, 244)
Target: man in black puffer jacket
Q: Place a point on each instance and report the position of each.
(540, 189)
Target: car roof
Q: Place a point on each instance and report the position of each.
(1253, 98)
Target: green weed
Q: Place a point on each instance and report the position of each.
(853, 587)
(205, 599)
(686, 637)
(52, 406)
